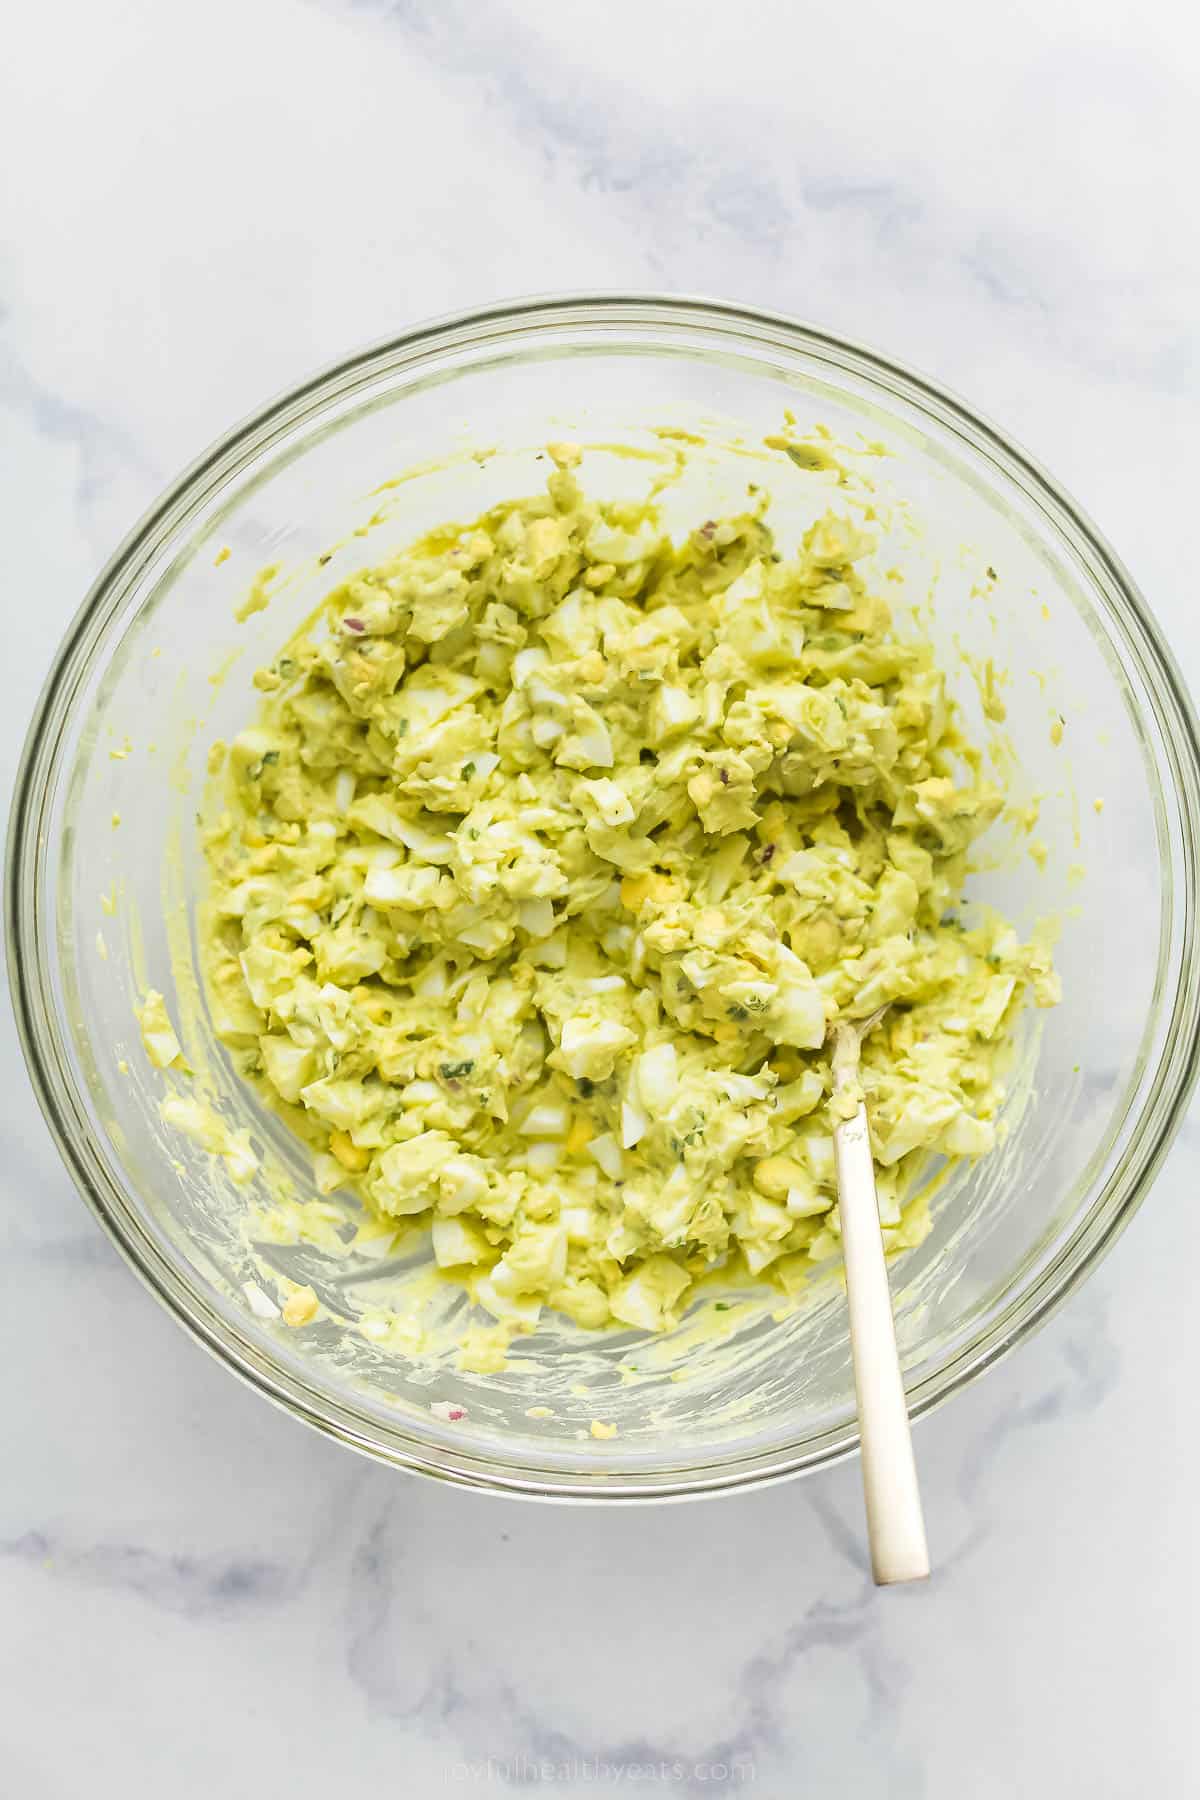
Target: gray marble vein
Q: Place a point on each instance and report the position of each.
(194, 1585)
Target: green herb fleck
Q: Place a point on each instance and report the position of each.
(453, 1071)
(468, 771)
(401, 727)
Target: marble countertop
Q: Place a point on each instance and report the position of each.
(199, 1596)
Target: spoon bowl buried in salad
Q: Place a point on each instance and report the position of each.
(438, 1323)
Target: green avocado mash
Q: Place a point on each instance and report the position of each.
(553, 856)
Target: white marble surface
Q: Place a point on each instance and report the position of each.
(198, 1596)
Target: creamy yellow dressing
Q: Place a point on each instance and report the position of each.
(554, 857)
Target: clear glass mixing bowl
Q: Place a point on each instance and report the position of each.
(154, 668)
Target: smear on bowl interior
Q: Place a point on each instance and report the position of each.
(555, 851)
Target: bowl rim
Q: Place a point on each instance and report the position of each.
(32, 950)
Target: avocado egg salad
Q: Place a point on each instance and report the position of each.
(556, 853)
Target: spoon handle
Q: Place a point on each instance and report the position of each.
(895, 1522)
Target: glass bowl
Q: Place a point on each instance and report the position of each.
(154, 667)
